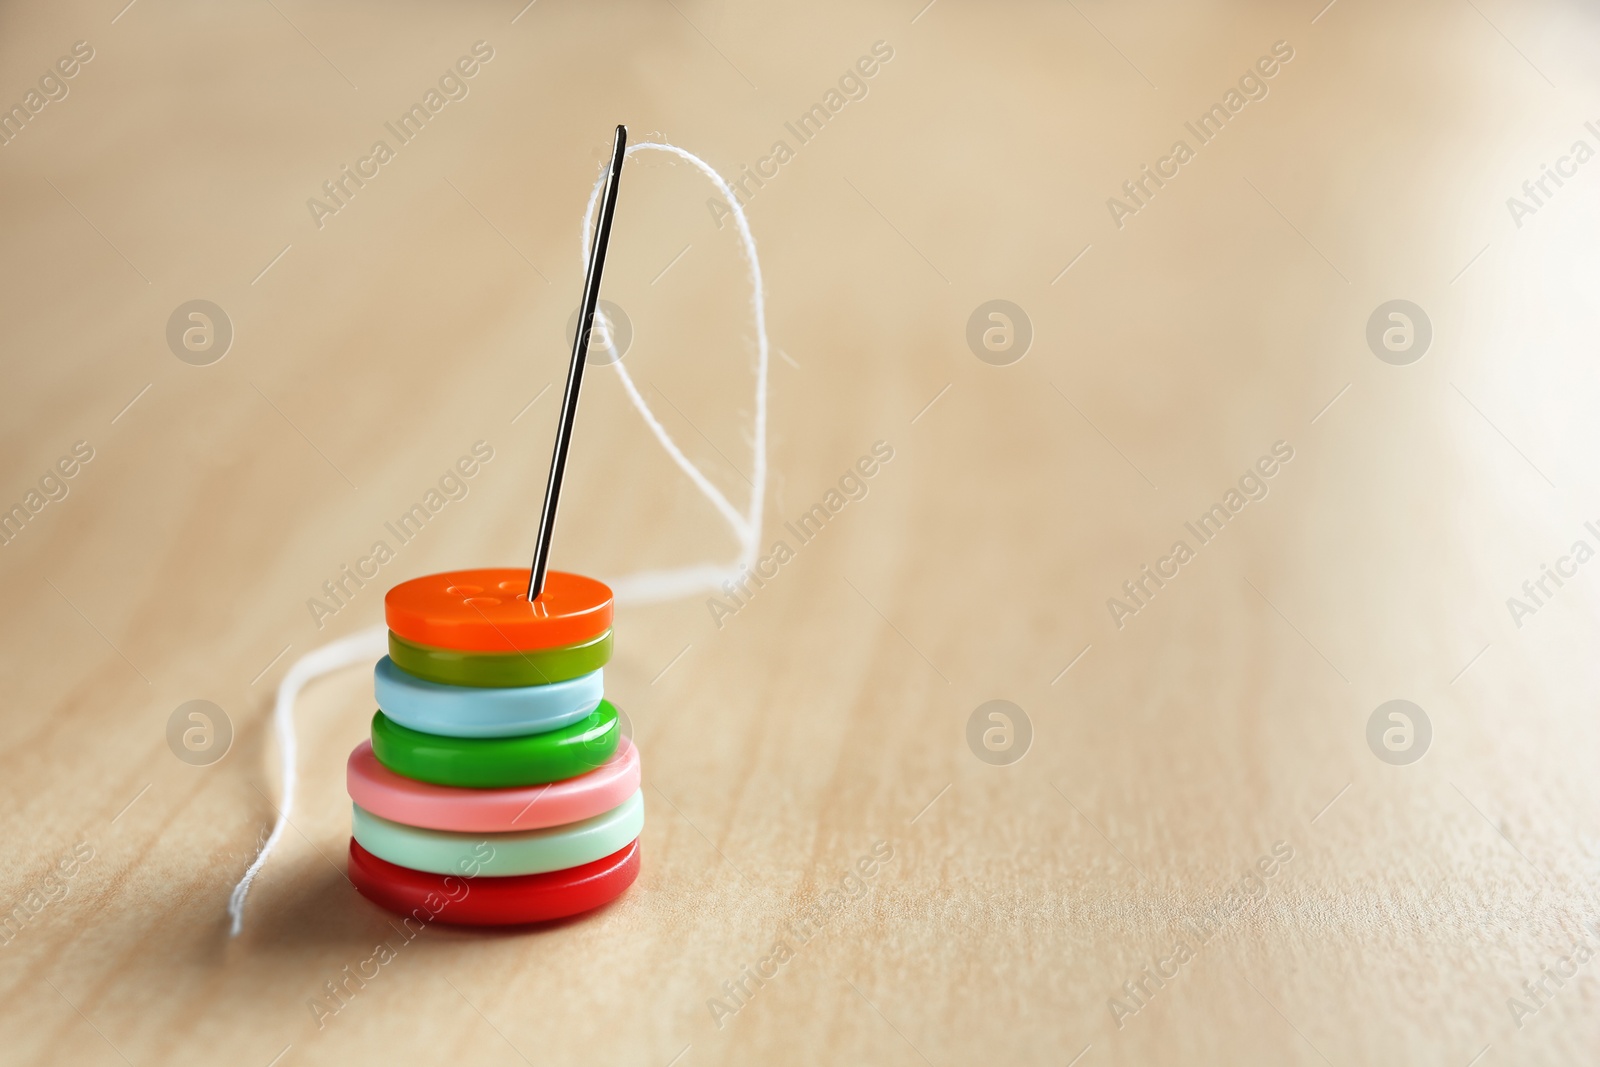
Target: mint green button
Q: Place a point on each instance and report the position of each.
(528, 852)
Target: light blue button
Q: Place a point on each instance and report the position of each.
(460, 711)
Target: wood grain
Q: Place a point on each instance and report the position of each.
(827, 717)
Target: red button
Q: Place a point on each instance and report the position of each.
(485, 901)
(487, 610)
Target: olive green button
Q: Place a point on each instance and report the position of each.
(496, 670)
(498, 762)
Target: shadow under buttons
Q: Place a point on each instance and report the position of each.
(440, 807)
(487, 610)
(456, 711)
(491, 670)
(498, 762)
(554, 848)
(504, 901)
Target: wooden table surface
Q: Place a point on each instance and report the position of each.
(1198, 800)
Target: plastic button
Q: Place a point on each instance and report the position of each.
(487, 610)
(459, 711)
(491, 670)
(554, 848)
(440, 807)
(480, 901)
(498, 762)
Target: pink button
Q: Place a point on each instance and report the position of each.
(439, 807)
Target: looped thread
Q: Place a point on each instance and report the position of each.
(683, 581)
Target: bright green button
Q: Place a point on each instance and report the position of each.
(496, 670)
(497, 762)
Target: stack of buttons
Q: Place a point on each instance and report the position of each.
(497, 787)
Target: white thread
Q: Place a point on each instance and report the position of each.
(371, 644)
(661, 585)
(363, 645)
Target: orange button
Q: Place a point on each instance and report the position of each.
(487, 610)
